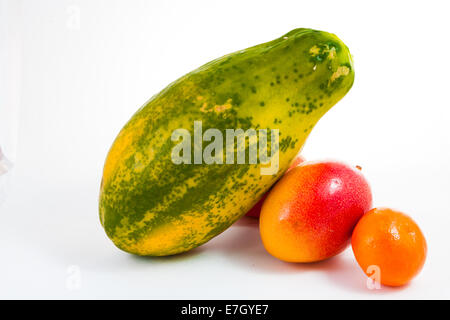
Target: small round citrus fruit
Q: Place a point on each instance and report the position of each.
(392, 242)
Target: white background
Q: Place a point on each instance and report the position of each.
(73, 72)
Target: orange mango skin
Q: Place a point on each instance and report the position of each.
(310, 213)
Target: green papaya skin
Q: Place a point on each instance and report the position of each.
(150, 206)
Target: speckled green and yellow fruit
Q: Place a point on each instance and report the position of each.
(150, 206)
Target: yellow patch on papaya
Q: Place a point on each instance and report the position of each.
(223, 107)
(165, 239)
(341, 71)
(121, 148)
(332, 53)
(204, 108)
(138, 162)
(314, 51)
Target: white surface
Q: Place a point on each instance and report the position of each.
(85, 68)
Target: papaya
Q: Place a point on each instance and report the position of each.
(151, 205)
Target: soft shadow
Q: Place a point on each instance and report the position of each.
(242, 244)
(167, 259)
(345, 272)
